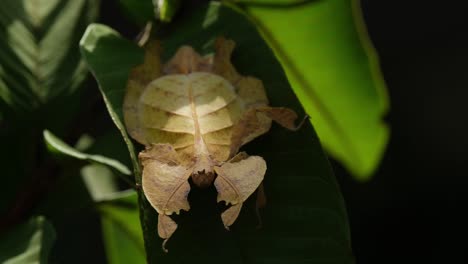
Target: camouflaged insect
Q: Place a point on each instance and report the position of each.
(193, 114)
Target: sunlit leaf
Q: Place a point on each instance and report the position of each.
(27, 243)
(333, 69)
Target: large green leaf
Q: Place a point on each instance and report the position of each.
(121, 229)
(110, 59)
(39, 55)
(334, 71)
(305, 220)
(28, 243)
(111, 72)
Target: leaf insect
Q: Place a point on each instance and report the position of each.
(193, 113)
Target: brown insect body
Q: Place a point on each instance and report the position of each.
(193, 114)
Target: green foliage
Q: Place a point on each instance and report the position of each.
(40, 73)
(100, 181)
(28, 243)
(166, 9)
(143, 11)
(39, 59)
(140, 11)
(57, 145)
(305, 207)
(334, 71)
(111, 72)
(121, 229)
(110, 59)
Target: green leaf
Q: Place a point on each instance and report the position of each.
(121, 229)
(110, 59)
(99, 46)
(334, 71)
(100, 181)
(110, 144)
(166, 9)
(140, 11)
(39, 58)
(27, 243)
(57, 145)
(305, 220)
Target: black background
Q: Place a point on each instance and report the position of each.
(414, 209)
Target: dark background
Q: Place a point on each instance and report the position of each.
(414, 209)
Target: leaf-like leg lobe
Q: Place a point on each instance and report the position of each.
(187, 60)
(236, 181)
(281, 115)
(252, 124)
(222, 60)
(166, 227)
(230, 215)
(165, 185)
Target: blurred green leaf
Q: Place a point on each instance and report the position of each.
(72, 210)
(39, 56)
(333, 69)
(100, 181)
(55, 144)
(143, 11)
(121, 229)
(166, 9)
(27, 243)
(84, 142)
(305, 220)
(140, 11)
